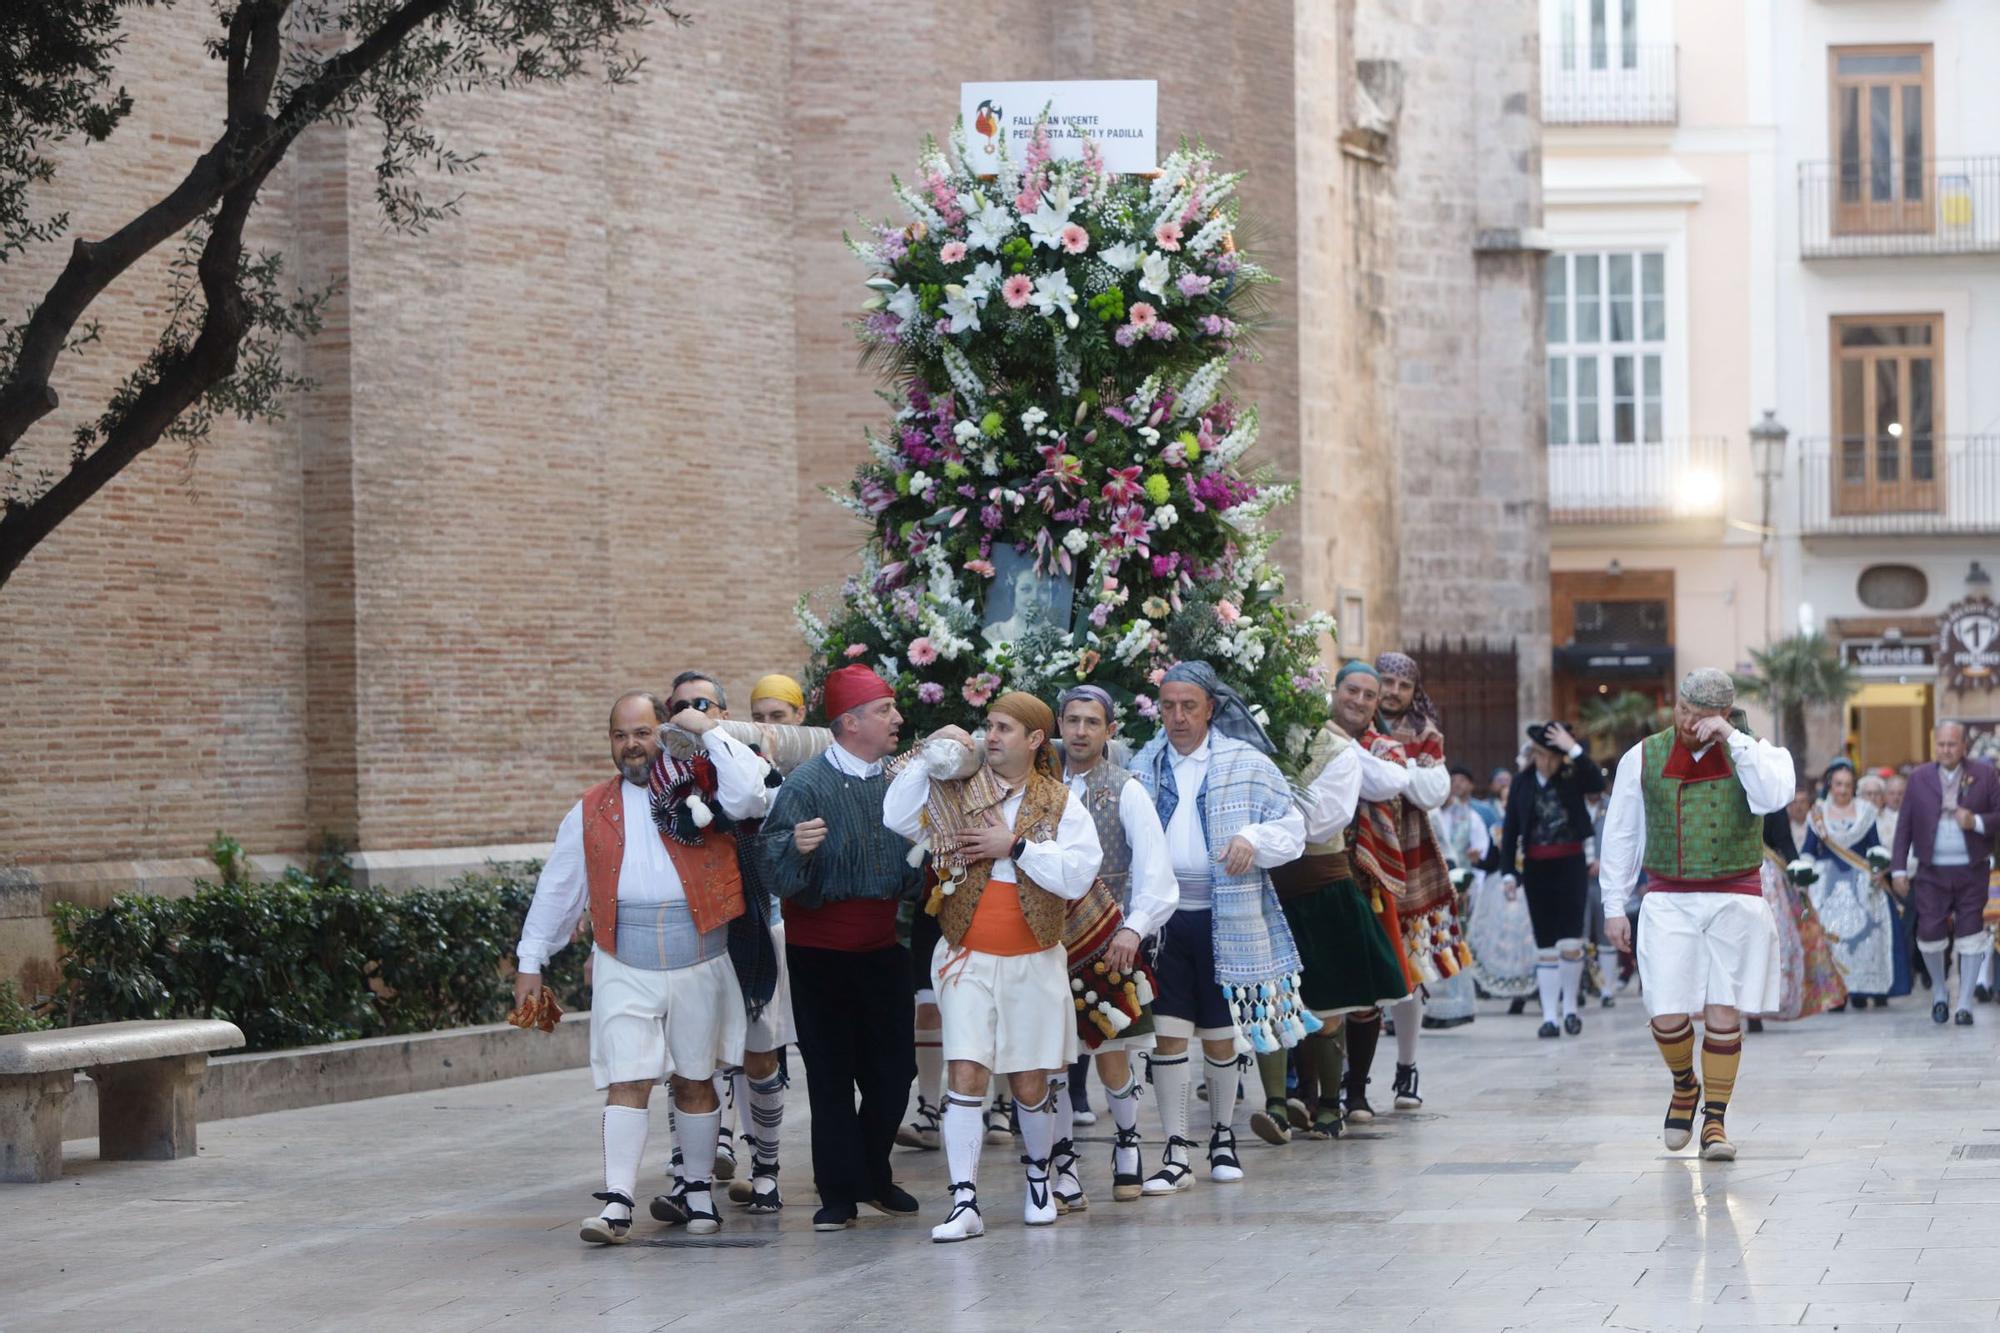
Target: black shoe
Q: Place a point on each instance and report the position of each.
(1359, 1112)
(1983, 994)
(1518, 1006)
(1940, 1012)
(671, 1208)
(1548, 1030)
(1756, 1025)
(1406, 1088)
(1572, 1023)
(834, 1217)
(1963, 1018)
(895, 1201)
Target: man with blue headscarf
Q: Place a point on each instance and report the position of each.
(1227, 963)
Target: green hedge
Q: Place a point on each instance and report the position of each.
(306, 958)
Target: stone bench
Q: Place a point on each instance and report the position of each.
(146, 1074)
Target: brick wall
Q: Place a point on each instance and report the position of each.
(572, 440)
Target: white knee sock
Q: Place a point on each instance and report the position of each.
(1124, 1106)
(1170, 1093)
(1934, 964)
(1570, 972)
(1223, 1080)
(624, 1149)
(930, 1066)
(1968, 972)
(1038, 1128)
(963, 1129)
(1548, 983)
(1409, 1016)
(765, 1115)
(697, 1131)
(1125, 1102)
(1062, 1116)
(1986, 969)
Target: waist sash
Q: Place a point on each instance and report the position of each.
(1309, 874)
(661, 937)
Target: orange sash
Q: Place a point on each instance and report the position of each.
(998, 925)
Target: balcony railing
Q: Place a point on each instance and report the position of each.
(1638, 483)
(1618, 85)
(1855, 208)
(1887, 486)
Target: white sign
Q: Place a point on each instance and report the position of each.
(1121, 115)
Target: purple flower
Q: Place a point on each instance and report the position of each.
(930, 692)
(1127, 334)
(1159, 332)
(969, 491)
(991, 516)
(1100, 613)
(1164, 565)
(1195, 284)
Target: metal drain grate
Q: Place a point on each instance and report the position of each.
(709, 1243)
(1976, 1152)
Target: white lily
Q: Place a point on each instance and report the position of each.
(982, 280)
(961, 308)
(1154, 271)
(903, 305)
(1123, 256)
(987, 228)
(1053, 293)
(1045, 224)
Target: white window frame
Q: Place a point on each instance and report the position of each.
(1667, 235)
(1671, 349)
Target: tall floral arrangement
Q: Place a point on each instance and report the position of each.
(1058, 496)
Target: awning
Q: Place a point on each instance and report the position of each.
(1615, 659)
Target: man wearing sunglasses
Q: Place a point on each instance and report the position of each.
(645, 854)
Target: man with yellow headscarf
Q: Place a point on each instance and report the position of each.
(778, 700)
(1011, 850)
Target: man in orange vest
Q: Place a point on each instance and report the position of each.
(644, 853)
(1000, 971)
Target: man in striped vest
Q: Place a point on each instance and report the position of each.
(1139, 877)
(1688, 805)
(661, 888)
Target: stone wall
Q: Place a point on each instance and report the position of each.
(573, 439)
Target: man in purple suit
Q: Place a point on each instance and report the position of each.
(1946, 827)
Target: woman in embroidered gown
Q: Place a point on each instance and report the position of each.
(1810, 983)
(1872, 952)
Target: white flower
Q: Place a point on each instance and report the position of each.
(1032, 418)
(1150, 436)
(989, 464)
(918, 481)
(965, 432)
(1046, 223)
(987, 228)
(1165, 517)
(1123, 256)
(985, 277)
(1076, 539)
(1154, 271)
(903, 305)
(1053, 293)
(961, 309)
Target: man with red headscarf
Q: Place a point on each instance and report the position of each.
(840, 875)
(1010, 850)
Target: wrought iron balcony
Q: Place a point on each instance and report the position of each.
(1638, 483)
(1856, 208)
(1885, 485)
(1622, 85)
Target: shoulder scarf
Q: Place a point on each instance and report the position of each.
(1256, 960)
(1396, 848)
(1840, 844)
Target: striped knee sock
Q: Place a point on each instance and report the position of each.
(1677, 1049)
(1721, 1053)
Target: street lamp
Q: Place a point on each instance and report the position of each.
(1767, 459)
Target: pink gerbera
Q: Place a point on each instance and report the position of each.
(1075, 240)
(922, 652)
(983, 568)
(1016, 290)
(951, 252)
(1142, 315)
(1167, 235)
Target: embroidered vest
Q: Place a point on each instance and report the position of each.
(1698, 820)
(709, 873)
(1041, 811)
(1326, 747)
(1102, 788)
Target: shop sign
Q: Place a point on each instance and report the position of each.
(1969, 644)
(1888, 655)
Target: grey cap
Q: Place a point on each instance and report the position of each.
(1708, 687)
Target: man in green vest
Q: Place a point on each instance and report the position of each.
(1688, 808)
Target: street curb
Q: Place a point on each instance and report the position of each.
(347, 1071)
